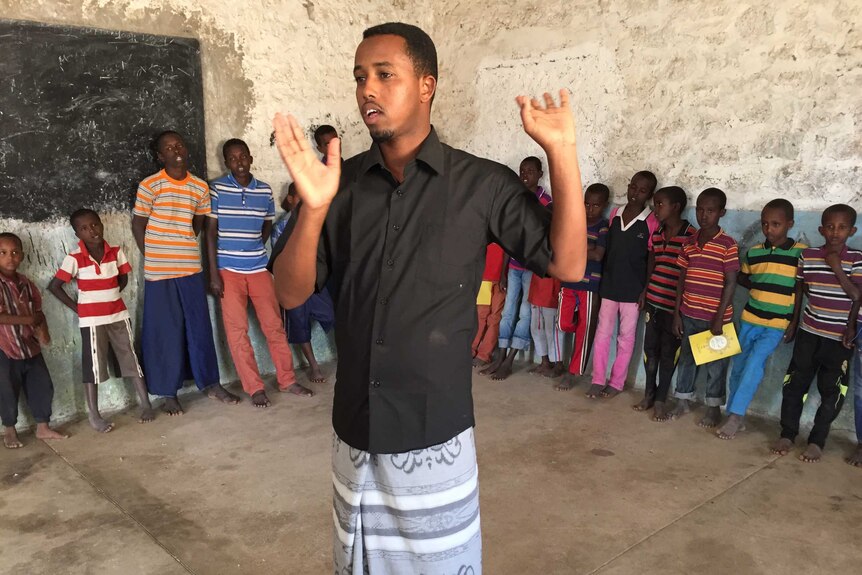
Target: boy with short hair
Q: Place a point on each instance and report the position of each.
(661, 344)
(515, 324)
(238, 225)
(489, 314)
(708, 263)
(102, 272)
(832, 276)
(579, 302)
(176, 336)
(771, 314)
(544, 298)
(322, 136)
(297, 322)
(22, 329)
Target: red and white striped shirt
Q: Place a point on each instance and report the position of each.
(99, 300)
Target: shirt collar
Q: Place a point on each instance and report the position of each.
(86, 252)
(641, 216)
(715, 237)
(788, 243)
(430, 153)
(251, 185)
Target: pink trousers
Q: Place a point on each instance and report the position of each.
(610, 311)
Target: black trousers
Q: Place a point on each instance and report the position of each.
(829, 360)
(31, 376)
(661, 352)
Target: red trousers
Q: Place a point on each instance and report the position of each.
(259, 288)
(579, 312)
(486, 338)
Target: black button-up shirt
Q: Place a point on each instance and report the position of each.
(404, 262)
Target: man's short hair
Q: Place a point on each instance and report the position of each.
(839, 209)
(600, 189)
(12, 237)
(649, 176)
(420, 47)
(234, 142)
(716, 194)
(675, 195)
(781, 204)
(80, 213)
(322, 131)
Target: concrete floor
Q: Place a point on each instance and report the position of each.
(568, 485)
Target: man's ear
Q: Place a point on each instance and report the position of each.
(427, 88)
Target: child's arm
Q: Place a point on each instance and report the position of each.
(790, 332)
(850, 330)
(123, 281)
(726, 297)
(211, 239)
(833, 260)
(649, 271)
(23, 319)
(139, 230)
(504, 275)
(744, 280)
(266, 230)
(596, 253)
(198, 224)
(56, 288)
(677, 318)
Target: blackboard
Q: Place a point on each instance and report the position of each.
(79, 108)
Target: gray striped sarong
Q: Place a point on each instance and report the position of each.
(407, 513)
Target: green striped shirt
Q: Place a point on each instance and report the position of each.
(773, 283)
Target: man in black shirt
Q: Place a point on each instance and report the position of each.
(399, 233)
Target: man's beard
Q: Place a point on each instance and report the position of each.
(381, 136)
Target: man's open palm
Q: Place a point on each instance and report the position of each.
(548, 124)
(316, 182)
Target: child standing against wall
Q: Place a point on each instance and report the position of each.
(661, 344)
(771, 314)
(709, 263)
(579, 302)
(832, 276)
(544, 300)
(22, 331)
(489, 315)
(624, 279)
(102, 272)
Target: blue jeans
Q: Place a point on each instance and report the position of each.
(686, 369)
(857, 391)
(516, 334)
(757, 343)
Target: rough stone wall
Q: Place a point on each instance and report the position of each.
(759, 98)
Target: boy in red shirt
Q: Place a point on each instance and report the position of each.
(485, 341)
(544, 296)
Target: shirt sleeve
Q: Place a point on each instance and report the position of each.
(123, 266)
(652, 225)
(37, 296)
(682, 258)
(731, 258)
(800, 267)
(856, 271)
(204, 204)
(213, 213)
(68, 269)
(519, 222)
(143, 201)
(602, 236)
(270, 209)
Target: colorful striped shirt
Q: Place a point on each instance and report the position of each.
(19, 296)
(545, 199)
(99, 300)
(661, 289)
(828, 306)
(170, 245)
(241, 212)
(705, 271)
(597, 235)
(772, 271)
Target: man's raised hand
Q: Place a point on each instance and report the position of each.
(548, 124)
(316, 182)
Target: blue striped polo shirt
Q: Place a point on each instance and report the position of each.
(241, 212)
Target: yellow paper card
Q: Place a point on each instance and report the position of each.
(706, 347)
(484, 297)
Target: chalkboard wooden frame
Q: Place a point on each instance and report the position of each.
(79, 108)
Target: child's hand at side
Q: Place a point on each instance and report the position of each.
(849, 335)
(716, 325)
(790, 332)
(677, 325)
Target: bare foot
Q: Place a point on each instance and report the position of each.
(43, 431)
(731, 427)
(611, 392)
(259, 399)
(540, 369)
(10, 438)
(682, 407)
(492, 367)
(480, 363)
(148, 414)
(502, 373)
(644, 404)
(300, 390)
(567, 383)
(172, 406)
(315, 375)
(782, 446)
(555, 371)
(712, 417)
(216, 391)
(856, 459)
(660, 412)
(101, 425)
(595, 391)
(812, 454)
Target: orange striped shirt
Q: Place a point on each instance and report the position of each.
(170, 245)
(706, 269)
